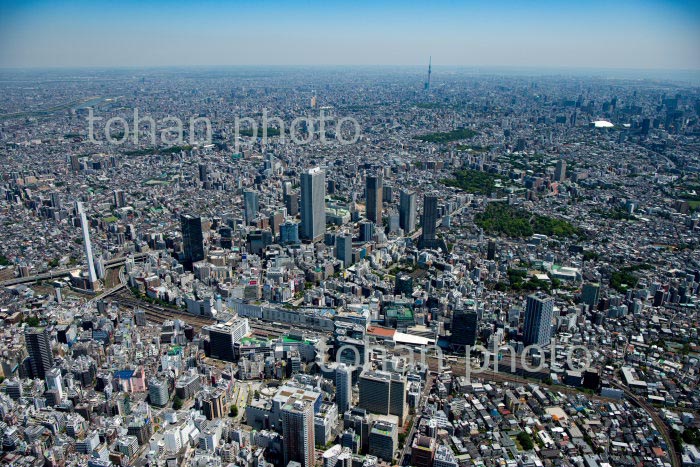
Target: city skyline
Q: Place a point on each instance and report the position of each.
(285, 260)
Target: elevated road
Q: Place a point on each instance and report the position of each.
(66, 272)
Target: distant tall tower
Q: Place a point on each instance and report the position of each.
(430, 70)
(313, 204)
(92, 277)
(374, 188)
(298, 432)
(39, 349)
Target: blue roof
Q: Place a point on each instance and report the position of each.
(124, 374)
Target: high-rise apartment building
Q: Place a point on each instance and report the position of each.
(38, 345)
(538, 319)
(298, 432)
(313, 205)
(343, 387)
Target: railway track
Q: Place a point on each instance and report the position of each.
(159, 314)
(660, 424)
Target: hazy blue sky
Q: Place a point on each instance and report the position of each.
(591, 33)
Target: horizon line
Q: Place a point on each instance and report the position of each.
(339, 65)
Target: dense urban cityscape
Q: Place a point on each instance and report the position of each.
(349, 234)
(500, 270)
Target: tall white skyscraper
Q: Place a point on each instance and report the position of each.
(86, 242)
(343, 387)
(313, 206)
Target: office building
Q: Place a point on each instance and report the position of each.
(491, 250)
(192, 240)
(289, 233)
(92, 276)
(374, 191)
(313, 205)
(291, 203)
(465, 327)
(74, 163)
(54, 382)
(158, 392)
(330, 456)
(343, 249)
(590, 295)
(407, 211)
(14, 389)
(38, 345)
(203, 172)
(444, 457)
(223, 338)
(403, 284)
(383, 440)
(213, 404)
(298, 432)
(187, 385)
(383, 393)
(226, 239)
(250, 205)
(119, 198)
(423, 451)
(128, 445)
(538, 319)
(343, 387)
(366, 231)
(429, 220)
